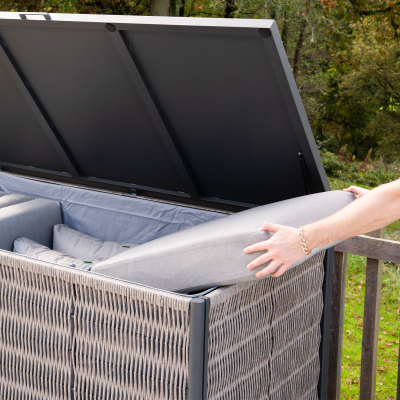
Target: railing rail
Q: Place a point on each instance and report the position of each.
(377, 250)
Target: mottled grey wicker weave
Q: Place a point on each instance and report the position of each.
(63, 328)
(265, 336)
(69, 334)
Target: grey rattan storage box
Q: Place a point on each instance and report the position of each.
(197, 112)
(67, 334)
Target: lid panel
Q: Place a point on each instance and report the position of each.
(84, 87)
(22, 140)
(201, 111)
(226, 108)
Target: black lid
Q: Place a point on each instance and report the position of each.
(203, 111)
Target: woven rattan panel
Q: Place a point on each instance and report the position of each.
(66, 334)
(264, 337)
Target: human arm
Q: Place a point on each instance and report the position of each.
(371, 210)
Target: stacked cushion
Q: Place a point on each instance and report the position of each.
(11, 199)
(211, 254)
(77, 244)
(33, 249)
(33, 219)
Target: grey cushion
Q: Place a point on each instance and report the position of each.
(33, 249)
(33, 219)
(11, 199)
(77, 244)
(211, 254)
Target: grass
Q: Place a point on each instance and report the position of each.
(388, 345)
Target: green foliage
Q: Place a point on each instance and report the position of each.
(118, 7)
(362, 174)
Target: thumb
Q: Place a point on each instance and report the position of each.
(270, 227)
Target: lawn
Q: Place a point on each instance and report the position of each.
(388, 347)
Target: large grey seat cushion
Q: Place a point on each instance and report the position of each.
(11, 199)
(33, 219)
(211, 254)
(35, 250)
(77, 244)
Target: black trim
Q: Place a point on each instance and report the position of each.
(125, 51)
(137, 188)
(37, 109)
(46, 171)
(143, 191)
(206, 339)
(233, 203)
(325, 324)
(197, 313)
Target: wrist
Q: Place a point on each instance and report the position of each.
(311, 236)
(302, 241)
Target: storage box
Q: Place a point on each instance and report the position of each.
(198, 114)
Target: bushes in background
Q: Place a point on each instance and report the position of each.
(365, 173)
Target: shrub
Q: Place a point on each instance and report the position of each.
(366, 173)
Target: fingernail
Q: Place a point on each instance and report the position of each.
(260, 229)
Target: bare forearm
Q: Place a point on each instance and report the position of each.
(374, 210)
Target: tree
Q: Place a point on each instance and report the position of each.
(160, 7)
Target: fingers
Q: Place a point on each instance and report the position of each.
(260, 260)
(257, 247)
(356, 190)
(262, 245)
(351, 189)
(273, 265)
(280, 271)
(269, 227)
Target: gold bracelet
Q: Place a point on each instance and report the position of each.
(302, 241)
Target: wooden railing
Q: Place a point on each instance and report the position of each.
(376, 250)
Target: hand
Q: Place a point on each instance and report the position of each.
(283, 249)
(357, 191)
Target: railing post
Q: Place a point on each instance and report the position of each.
(372, 302)
(337, 325)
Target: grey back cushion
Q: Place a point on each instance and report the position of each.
(35, 250)
(11, 199)
(211, 254)
(77, 244)
(33, 219)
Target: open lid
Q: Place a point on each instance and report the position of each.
(202, 111)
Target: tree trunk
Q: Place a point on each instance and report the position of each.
(285, 29)
(160, 7)
(229, 8)
(182, 8)
(174, 10)
(299, 47)
(271, 7)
